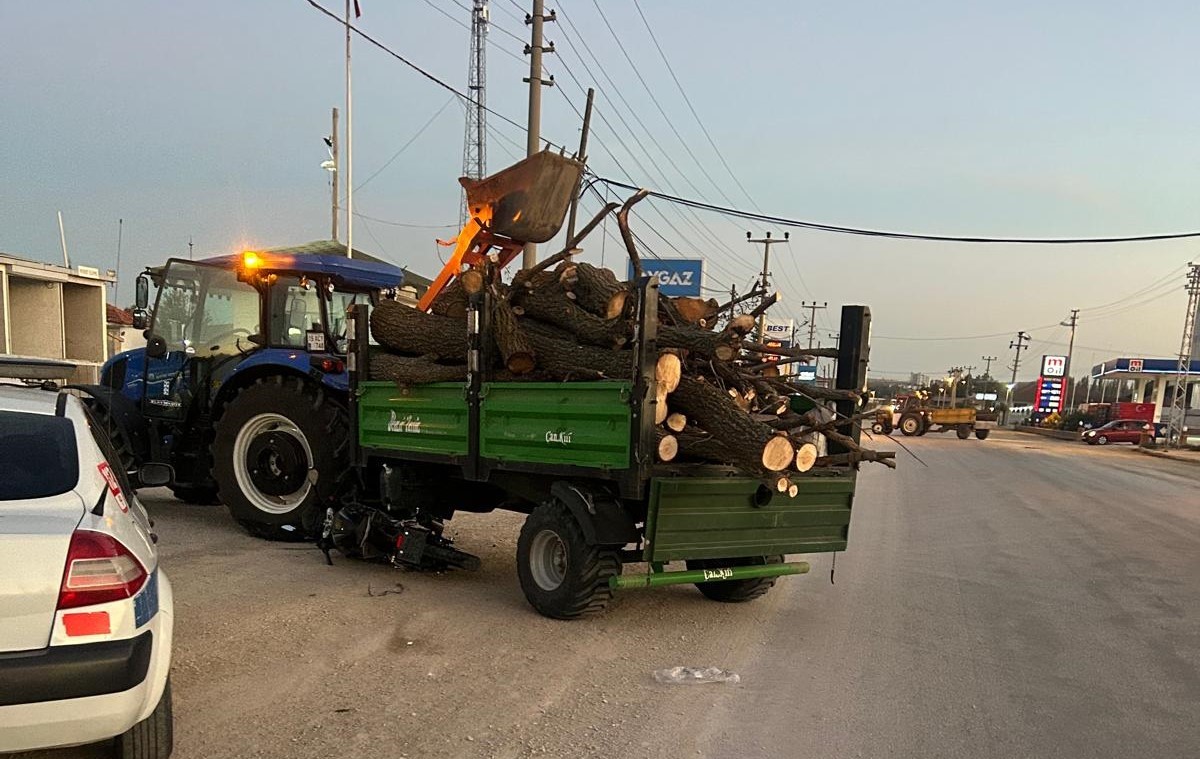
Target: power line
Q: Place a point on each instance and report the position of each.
(431, 77)
(820, 227)
(686, 99)
(657, 105)
(406, 145)
(405, 224)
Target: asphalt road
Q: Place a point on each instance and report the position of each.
(1016, 597)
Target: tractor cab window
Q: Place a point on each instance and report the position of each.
(295, 311)
(339, 303)
(205, 310)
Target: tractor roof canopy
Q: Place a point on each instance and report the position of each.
(324, 257)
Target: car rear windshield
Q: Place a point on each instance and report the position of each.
(37, 456)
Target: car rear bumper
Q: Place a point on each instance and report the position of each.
(67, 695)
(63, 672)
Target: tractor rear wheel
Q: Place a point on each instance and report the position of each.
(911, 424)
(280, 450)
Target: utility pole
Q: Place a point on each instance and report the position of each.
(989, 359)
(812, 317)
(349, 140)
(534, 127)
(333, 153)
(117, 283)
(1070, 354)
(1177, 423)
(189, 247)
(763, 281)
(1019, 345)
(475, 133)
(582, 157)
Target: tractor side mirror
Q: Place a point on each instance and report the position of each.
(156, 346)
(142, 298)
(153, 475)
(141, 318)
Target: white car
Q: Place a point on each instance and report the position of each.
(85, 611)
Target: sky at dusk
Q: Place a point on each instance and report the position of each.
(1027, 119)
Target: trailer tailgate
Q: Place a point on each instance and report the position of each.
(717, 517)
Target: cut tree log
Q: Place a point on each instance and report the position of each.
(749, 443)
(667, 446)
(408, 330)
(699, 343)
(472, 281)
(668, 371)
(567, 357)
(741, 325)
(676, 422)
(661, 409)
(806, 457)
(451, 302)
(696, 311)
(598, 291)
(514, 346)
(406, 370)
(548, 302)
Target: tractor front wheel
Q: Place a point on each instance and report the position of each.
(280, 449)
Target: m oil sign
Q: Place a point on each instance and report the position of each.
(676, 276)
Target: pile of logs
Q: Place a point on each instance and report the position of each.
(718, 398)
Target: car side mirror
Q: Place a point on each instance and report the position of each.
(142, 296)
(153, 475)
(156, 346)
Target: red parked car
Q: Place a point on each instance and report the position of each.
(1117, 431)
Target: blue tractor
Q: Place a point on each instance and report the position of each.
(242, 386)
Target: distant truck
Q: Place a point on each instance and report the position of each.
(912, 415)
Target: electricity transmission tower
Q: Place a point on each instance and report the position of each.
(475, 133)
(1179, 405)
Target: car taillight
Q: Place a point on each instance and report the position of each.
(99, 570)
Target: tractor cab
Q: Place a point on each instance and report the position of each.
(260, 335)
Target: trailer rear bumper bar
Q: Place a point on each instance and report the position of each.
(658, 579)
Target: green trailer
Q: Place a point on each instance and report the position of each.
(578, 459)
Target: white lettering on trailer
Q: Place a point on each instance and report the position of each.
(409, 424)
(563, 436)
(718, 574)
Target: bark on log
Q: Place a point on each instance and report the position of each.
(598, 291)
(751, 444)
(405, 370)
(566, 357)
(408, 330)
(698, 342)
(518, 354)
(451, 302)
(549, 304)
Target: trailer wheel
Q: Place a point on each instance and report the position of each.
(561, 575)
(280, 449)
(735, 591)
(963, 431)
(911, 424)
(981, 434)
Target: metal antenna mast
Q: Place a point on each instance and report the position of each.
(1178, 418)
(475, 133)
